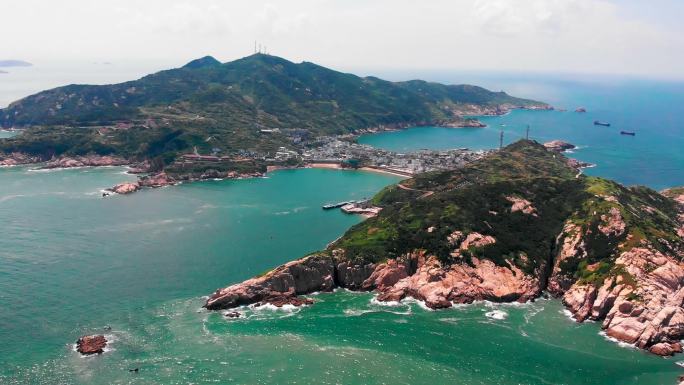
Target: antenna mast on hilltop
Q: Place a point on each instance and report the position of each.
(501, 138)
(527, 133)
(255, 49)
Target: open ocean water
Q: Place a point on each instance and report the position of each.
(72, 263)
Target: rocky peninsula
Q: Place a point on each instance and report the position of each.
(506, 228)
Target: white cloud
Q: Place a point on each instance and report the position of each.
(533, 35)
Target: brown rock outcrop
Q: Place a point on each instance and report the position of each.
(352, 276)
(642, 306)
(17, 158)
(570, 243)
(157, 180)
(94, 344)
(125, 188)
(559, 145)
(613, 224)
(522, 205)
(476, 240)
(279, 286)
(85, 161)
(439, 286)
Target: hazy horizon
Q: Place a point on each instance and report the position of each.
(20, 82)
(537, 36)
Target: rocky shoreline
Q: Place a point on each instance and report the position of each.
(163, 179)
(85, 161)
(465, 116)
(641, 305)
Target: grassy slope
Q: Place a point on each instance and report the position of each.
(212, 105)
(474, 199)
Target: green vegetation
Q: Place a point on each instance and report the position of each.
(223, 108)
(474, 199)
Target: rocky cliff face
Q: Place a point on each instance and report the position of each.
(642, 306)
(280, 285)
(640, 294)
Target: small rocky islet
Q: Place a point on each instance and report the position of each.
(91, 344)
(505, 229)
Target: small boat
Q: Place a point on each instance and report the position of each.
(597, 123)
(630, 133)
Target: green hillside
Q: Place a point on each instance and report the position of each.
(224, 107)
(476, 199)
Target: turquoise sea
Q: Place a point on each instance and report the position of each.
(651, 109)
(72, 263)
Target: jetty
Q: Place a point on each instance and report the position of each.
(337, 205)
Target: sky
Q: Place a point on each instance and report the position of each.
(634, 37)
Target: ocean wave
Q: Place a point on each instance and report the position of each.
(418, 302)
(568, 314)
(621, 344)
(16, 196)
(496, 314)
(374, 301)
(204, 207)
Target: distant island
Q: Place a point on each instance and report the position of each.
(14, 63)
(237, 118)
(506, 228)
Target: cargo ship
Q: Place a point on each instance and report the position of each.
(597, 123)
(630, 133)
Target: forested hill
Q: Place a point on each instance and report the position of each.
(231, 103)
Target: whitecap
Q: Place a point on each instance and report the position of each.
(374, 301)
(496, 314)
(621, 344)
(357, 312)
(418, 302)
(568, 314)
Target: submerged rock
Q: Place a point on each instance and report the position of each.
(93, 344)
